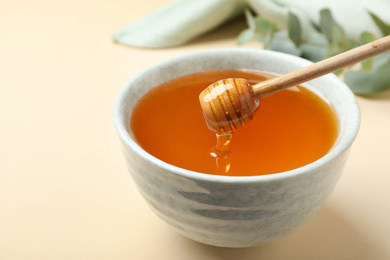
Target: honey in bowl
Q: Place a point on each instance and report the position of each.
(292, 128)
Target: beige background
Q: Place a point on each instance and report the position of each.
(64, 190)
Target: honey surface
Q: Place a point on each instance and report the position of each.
(292, 128)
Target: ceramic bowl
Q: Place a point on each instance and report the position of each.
(234, 211)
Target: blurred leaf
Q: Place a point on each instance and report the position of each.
(327, 23)
(262, 24)
(374, 75)
(250, 19)
(312, 52)
(367, 37)
(339, 42)
(294, 29)
(367, 64)
(378, 79)
(264, 31)
(383, 27)
(261, 38)
(272, 31)
(282, 43)
(333, 50)
(245, 36)
(352, 43)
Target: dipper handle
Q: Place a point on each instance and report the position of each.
(323, 67)
(229, 104)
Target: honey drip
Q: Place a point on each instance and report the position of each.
(222, 152)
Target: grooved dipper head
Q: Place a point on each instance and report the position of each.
(228, 104)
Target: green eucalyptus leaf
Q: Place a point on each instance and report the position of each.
(294, 29)
(272, 31)
(261, 37)
(339, 36)
(314, 53)
(367, 64)
(282, 43)
(338, 72)
(250, 19)
(352, 43)
(333, 49)
(373, 81)
(334, 46)
(339, 42)
(367, 37)
(327, 23)
(383, 27)
(262, 25)
(264, 31)
(245, 36)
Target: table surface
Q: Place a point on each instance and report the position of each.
(65, 192)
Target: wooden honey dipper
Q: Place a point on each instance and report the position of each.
(230, 103)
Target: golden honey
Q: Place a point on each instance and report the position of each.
(292, 128)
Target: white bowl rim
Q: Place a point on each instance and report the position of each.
(337, 150)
